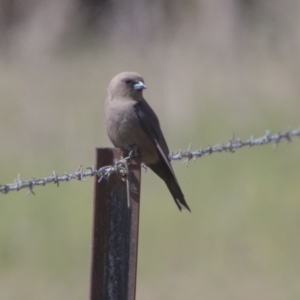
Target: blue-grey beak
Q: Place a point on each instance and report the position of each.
(139, 86)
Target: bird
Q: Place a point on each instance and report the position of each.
(131, 122)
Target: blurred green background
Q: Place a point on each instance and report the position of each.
(212, 68)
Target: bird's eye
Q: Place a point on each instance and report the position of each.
(128, 81)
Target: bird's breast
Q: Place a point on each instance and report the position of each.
(124, 130)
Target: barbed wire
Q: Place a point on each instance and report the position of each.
(121, 165)
(103, 173)
(235, 144)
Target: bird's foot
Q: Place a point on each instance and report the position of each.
(133, 151)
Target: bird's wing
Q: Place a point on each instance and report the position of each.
(150, 123)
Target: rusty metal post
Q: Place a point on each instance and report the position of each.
(115, 231)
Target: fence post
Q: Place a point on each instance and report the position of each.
(115, 231)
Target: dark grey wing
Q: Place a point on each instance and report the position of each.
(150, 123)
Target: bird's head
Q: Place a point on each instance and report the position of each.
(127, 84)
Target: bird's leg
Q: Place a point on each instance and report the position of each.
(133, 151)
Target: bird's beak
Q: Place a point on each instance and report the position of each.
(139, 86)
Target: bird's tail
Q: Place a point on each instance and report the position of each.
(168, 176)
(176, 192)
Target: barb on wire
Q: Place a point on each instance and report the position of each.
(235, 144)
(121, 165)
(103, 173)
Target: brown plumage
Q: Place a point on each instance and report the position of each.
(130, 121)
